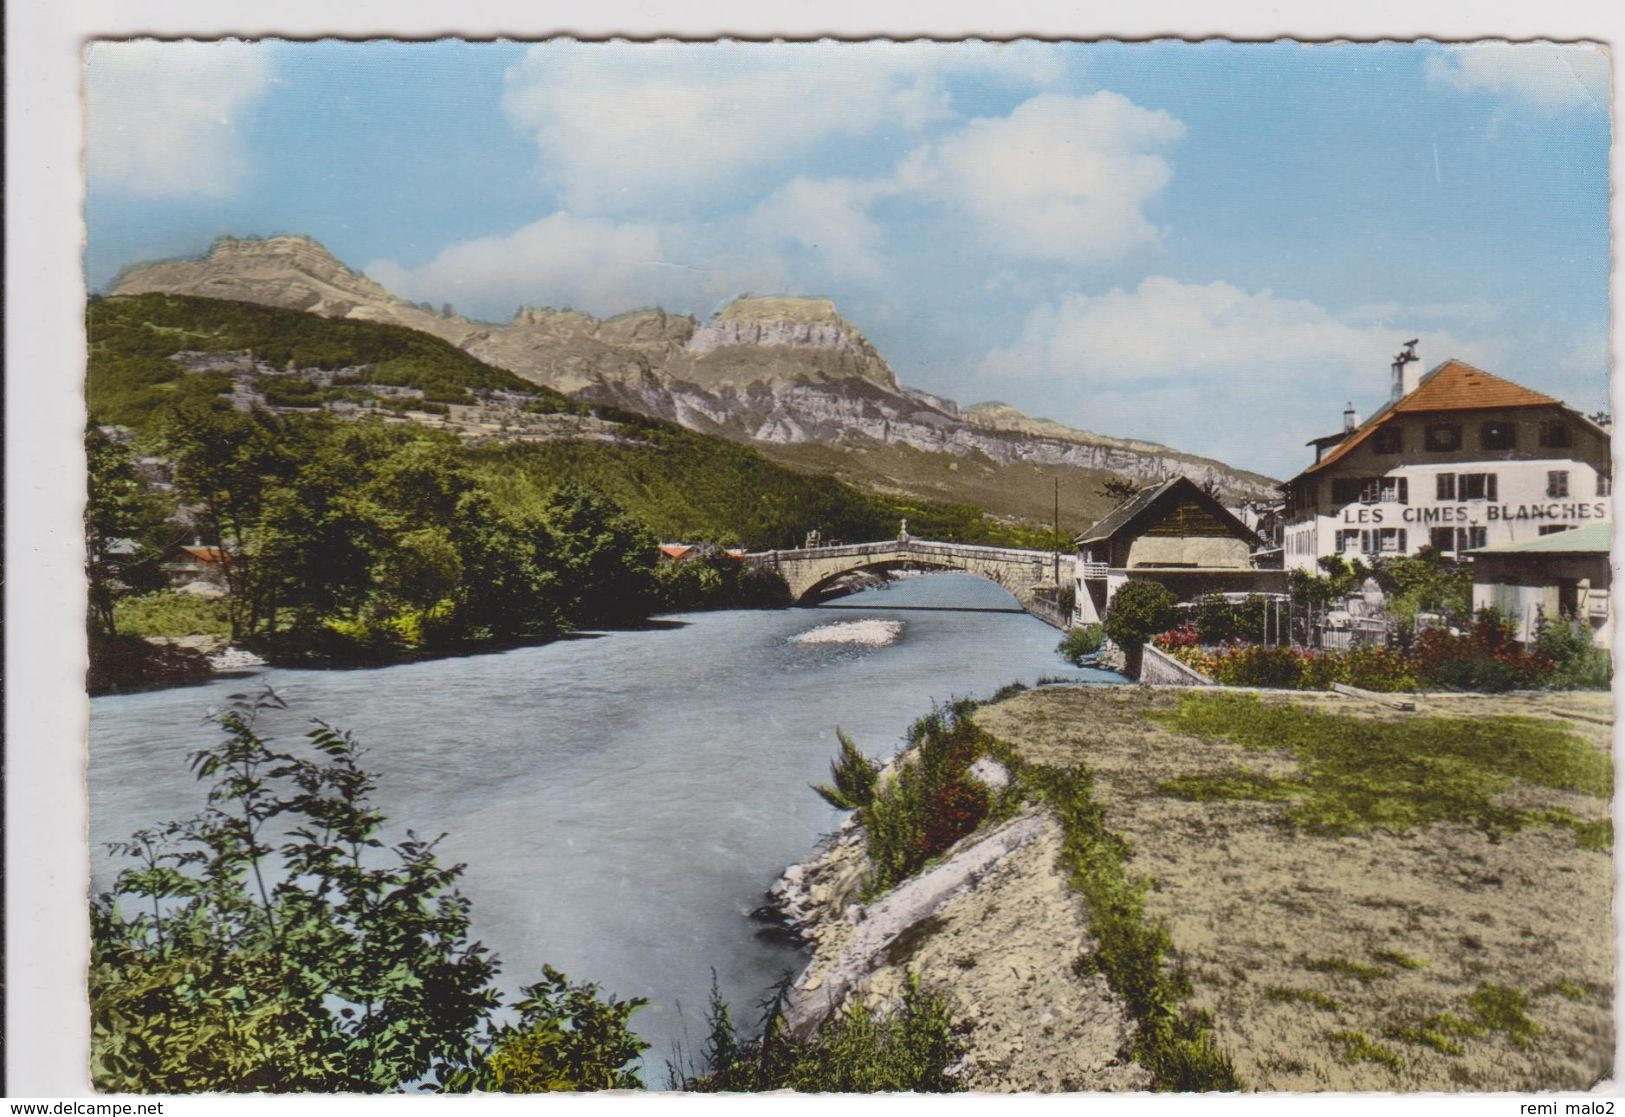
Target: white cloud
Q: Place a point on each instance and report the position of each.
(1208, 368)
(593, 264)
(162, 118)
(827, 218)
(1061, 178)
(619, 125)
(1545, 74)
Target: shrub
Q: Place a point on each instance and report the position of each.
(167, 613)
(1578, 663)
(1138, 611)
(312, 959)
(1220, 621)
(1485, 658)
(853, 777)
(857, 1051)
(1183, 635)
(932, 801)
(1253, 665)
(1081, 641)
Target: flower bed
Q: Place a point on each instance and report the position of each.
(1484, 658)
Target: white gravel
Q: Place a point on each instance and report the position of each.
(873, 634)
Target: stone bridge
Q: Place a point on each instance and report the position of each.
(808, 569)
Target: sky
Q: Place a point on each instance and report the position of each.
(1211, 245)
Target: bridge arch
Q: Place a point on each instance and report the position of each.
(882, 565)
(1019, 572)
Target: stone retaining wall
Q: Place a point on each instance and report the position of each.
(1160, 668)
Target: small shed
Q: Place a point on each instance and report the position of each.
(1564, 574)
(1174, 533)
(198, 563)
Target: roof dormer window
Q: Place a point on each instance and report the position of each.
(1443, 437)
(1499, 435)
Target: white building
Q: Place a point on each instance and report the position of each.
(1456, 460)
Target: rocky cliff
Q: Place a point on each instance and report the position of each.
(776, 371)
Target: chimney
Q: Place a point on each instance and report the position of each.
(1351, 418)
(1405, 381)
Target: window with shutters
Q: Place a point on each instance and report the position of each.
(1557, 483)
(1346, 490)
(1388, 440)
(1391, 540)
(1475, 486)
(1446, 487)
(1605, 481)
(1443, 539)
(1396, 490)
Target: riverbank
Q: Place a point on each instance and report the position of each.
(1428, 909)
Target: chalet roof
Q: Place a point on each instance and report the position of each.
(1593, 539)
(1452, 386)
(1142, 505)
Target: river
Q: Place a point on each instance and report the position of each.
(622, 800)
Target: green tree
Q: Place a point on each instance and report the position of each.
(227, 463)
(275, 943)
(604, 558)
(1139, 610)
(126, 530)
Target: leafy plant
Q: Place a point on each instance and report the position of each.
(275, 943)
(931, 802)
(853, 778)
(1082, 641)
(1139, 610)
(856, 1051)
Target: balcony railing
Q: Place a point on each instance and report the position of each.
(1090, 569)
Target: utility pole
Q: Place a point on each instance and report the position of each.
(1055, 538)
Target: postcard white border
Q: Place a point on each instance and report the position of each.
(46, 1031)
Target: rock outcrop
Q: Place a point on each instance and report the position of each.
(777, 370)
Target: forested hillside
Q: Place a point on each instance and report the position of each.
(364, 532)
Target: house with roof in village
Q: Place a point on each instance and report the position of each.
(1565, 574)
(1174, 533)
(1457, 460)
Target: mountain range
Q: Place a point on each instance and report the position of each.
(788, 375)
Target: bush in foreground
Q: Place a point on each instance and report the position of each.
(272, 943)
(857, 1051)
(1079, 642)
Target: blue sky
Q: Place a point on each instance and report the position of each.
(1210, 245)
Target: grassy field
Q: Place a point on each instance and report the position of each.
(1363, 899)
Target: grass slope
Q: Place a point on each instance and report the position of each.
(1359, 901)
(131, 378)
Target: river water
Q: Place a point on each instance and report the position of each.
(622, 801)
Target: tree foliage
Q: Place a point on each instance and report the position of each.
(1138, 611)
(276, 943)
(126, 534)
(852, 777)
(856, 1051)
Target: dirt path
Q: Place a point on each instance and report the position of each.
(1358, 962)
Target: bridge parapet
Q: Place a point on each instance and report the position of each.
(1020, 571)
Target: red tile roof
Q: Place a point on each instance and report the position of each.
(1452, 386)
